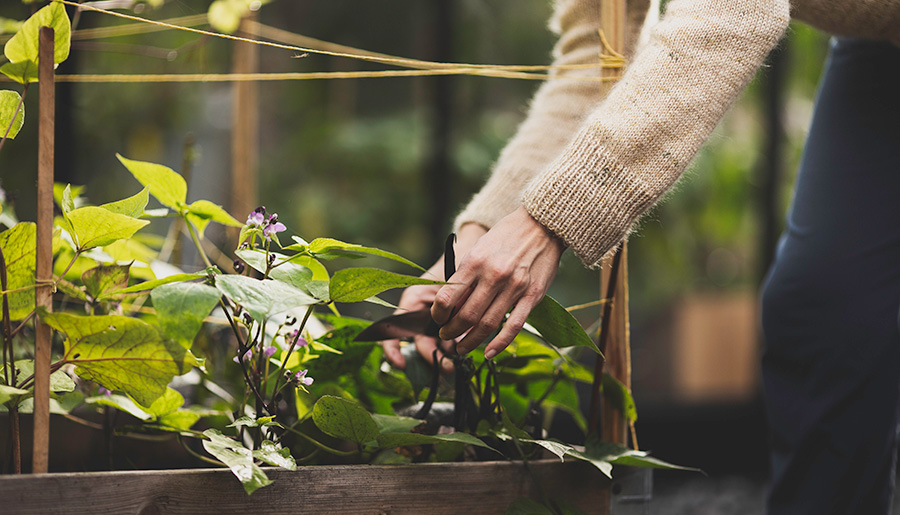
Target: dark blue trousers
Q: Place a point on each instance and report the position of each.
(831, 367)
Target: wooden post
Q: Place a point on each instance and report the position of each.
(618, 352)
(44, 265)
(244, 129)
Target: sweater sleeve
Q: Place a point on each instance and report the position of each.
(637, 142)
(557, 109)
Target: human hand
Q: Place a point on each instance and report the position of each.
(422, 297)
(511, 266)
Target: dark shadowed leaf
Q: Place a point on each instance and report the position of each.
(182, 307)
(344, 419)
(105, 278)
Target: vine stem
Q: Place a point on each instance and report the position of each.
(199, 456)
(15, 115)
(196, 240)
(9, 368)
(321, 445)
(285, 358)
(241, 350)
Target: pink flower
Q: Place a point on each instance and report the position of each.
(301, 378)
(268, 351)
(294, 335)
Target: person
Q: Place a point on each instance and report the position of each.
(582, 169)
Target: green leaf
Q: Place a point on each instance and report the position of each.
(8, 392)
(9, 101)
(67, 199)
(132, 206)
(358, 284)
(121, 353)
(262, 299)
(286, 271)
(105, 278)
(18, 245)
(558, 326)
(167, 403)
(202, 212)
(22, 72)
(238, 458)
(60, 382)
(396, 424)
(327, 248)
(180, 419)
(390, 440)
(344, 419)
(320, 273)
(95, 227)
(23, 46)
(165, 184)
(526, 506)
(120, 402)
(562, 450)
(595, 449)
(181, 309)
(149, 285)
(273, 454)
(618, 394)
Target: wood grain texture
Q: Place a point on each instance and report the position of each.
(430, 488)
(44, 265)
(618, 350)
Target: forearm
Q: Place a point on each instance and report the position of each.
(557, 110)
(634, 147)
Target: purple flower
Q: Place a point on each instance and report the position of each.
(103, 391)
(273, 226)
(247, 356)
(268, 351)
(257, 217)
(301, 378)
(295, 335)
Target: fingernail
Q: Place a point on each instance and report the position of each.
(489, 353)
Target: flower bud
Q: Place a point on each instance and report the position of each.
(238, 266)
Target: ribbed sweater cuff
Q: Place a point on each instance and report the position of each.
(577, 192)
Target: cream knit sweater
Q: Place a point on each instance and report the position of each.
(587, 166)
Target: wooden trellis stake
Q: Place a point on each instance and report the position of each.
(244, 128)
(44, 257)
(618, 351)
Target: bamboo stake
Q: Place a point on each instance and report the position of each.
(244, 130)
(618, 353)
(47, 99)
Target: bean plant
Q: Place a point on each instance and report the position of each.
(282, 375)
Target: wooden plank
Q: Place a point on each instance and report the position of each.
(44, 265)
(244, 130)
(433, 488)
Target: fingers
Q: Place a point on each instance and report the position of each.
(392, 353)
(513, 325)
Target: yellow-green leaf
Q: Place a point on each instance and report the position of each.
(22, 72)
(121, 353)
(18, 244)
(23, 46)
(95, 227)
(9, 102)
(165, 184)
(132, 206)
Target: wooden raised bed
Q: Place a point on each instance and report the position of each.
(433, 488)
